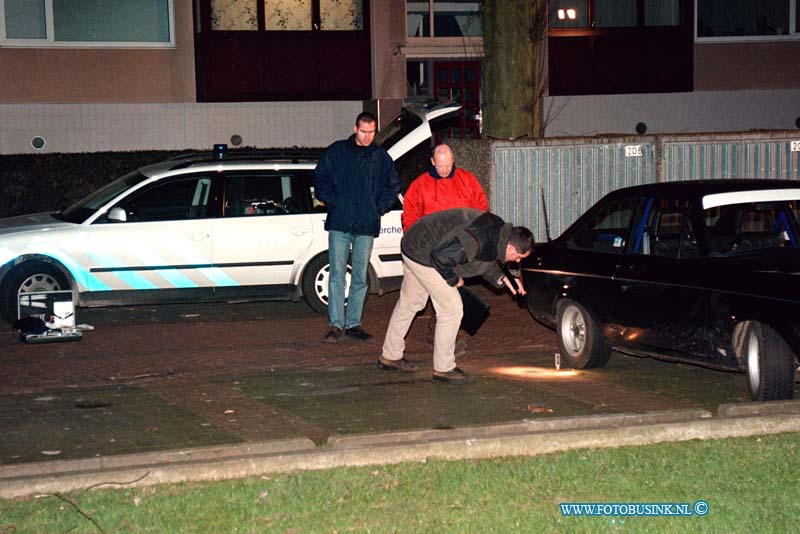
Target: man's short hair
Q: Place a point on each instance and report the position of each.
(366, 116)
(522, 239)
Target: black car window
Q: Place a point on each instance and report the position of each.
(741, 228)
(173, 200)
(255, 194)
(607, 229)
(664, 230)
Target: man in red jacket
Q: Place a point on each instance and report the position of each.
(443, 187)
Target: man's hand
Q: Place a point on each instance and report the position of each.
(518, 290)
(460, 282)
(509, 285)
(520, 287)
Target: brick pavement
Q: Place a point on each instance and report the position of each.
(166, 377)
(197, 347)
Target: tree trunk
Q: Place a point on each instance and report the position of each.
(513, 76)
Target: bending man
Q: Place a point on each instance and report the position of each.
(439, 251)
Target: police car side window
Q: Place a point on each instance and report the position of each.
(257, 194)
(179, 199)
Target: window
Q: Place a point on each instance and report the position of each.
(88, 206)
(234, 15)
(661, 13)
(277, 194)
(568, 13)
(565, 14)
(607, 229)
(746, 20)
(287, 15)
(620, 46)
(664, 230)
(341, 15)
(741, 228)
(177, 200)
(137, 23)
(614, 13)
(440, 18)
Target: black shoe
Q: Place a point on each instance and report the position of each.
(357, 333)
(455, 376)
(334, 335)
(395, 365)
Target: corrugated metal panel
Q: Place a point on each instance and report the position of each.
(572, 176)
(730, 158)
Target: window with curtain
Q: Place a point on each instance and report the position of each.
(341, 15)
(288, 15)
(234, 15)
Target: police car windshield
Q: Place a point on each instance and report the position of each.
(83, 209)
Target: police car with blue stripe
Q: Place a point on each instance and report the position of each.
(217, 226)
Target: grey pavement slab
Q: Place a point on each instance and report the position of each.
(465, 443)
(79, 423)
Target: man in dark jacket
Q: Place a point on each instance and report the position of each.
(439, 251)
(357, 181)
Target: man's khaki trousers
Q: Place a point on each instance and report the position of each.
(419, 282)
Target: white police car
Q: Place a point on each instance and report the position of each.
(218, 226)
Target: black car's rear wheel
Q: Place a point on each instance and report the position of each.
(770, 364)
(579, 339)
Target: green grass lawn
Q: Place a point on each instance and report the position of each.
(750, 484)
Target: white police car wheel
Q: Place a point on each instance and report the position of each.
(315, 283)
(323, 278)
(30, 277)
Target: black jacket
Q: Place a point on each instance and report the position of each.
(459, 243)
(358, 184)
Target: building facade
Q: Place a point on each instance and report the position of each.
(88, 75)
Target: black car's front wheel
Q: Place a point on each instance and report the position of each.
(770, 364)
(579, 338)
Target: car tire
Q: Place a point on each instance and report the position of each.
(580, 341)
(29, 277)
(770, 364)
(315, 283)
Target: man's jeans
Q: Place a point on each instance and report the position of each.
(339, 244)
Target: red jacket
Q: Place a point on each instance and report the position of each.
(428, 194)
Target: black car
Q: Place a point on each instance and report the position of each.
(705, 272)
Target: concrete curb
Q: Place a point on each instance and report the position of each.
(525, 438)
